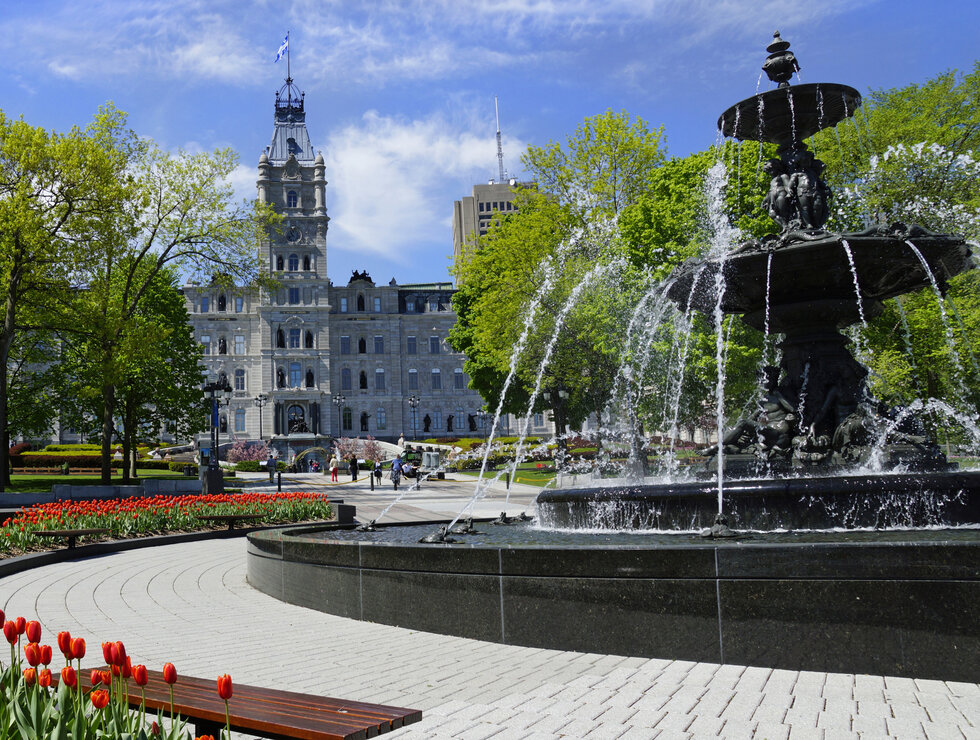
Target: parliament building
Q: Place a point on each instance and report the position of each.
(317, 359)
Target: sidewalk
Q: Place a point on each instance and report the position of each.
(190, 604)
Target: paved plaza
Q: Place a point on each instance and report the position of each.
(190, 604)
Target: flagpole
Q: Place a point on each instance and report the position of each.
(288, 73)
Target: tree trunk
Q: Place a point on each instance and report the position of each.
(7, 339)
(126, 421)
(108, 407)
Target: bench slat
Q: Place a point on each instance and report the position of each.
(273, 713)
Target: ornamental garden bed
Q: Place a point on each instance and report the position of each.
(148, 516)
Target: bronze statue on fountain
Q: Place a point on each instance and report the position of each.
(808, 283)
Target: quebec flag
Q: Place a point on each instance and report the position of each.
(283, 48)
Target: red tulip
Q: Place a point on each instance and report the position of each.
(99, 698)
(78, 647)
(224, 687)
(118, 653)
(107, 652)
(68, 677)
(45, 654)
(169, 673)
(32, 653)
(154, 728)
(33, 630)
(64, 644)
(96, 677)
(2, 616)
(30, 676)
(21, 625)
(10, 632)
(139, 675)
(44, 678)
(204, 737)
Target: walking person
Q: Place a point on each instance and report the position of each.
(377, 471)
(396, 471)
(353, 468)
(334, 467)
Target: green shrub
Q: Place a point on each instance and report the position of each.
(250, 466)
(178, 467)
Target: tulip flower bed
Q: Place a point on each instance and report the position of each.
(151, 515)
(36, 703)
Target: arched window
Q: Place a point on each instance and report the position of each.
(205, 304)
(360, 302)
(309, 377)
(292, 199)
(363, 381)
(280, 378)
(345, 379)
(380, 419)
(293, 262)
(239, 420)
(459, 379)
(309, 340)
(279, 262)
(239, 380)
(379, 379)
(295, 375)
(361, 346)
(413, 379)
(348, 419)
(280, 338)
(222, 302)
(222, 346)
(306, 262)
(436, 379)
(364, 420)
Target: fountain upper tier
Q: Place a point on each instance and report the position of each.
(788, 115)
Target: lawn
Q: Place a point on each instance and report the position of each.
(42, 483)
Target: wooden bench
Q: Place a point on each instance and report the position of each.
(270, 713)
(71, 534)
(229, 519)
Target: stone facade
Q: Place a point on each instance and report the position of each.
(309, 343)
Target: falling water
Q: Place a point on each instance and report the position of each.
(674, 396)
(723, 236)
(766, 339)
(907, 334)
(792, 112)
(950, 338)
(480, 488)
(803, 392)
(861, 350)
(820, 112)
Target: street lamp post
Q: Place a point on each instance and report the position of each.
(261, 400)
(338, 401)
(213, 480)
(482, 416)
(414, 401)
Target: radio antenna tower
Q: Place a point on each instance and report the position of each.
(500, 148)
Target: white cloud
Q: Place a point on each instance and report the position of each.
(392, 181)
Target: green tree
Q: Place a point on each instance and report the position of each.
(536, 258)
(177, 214)
(912, 154)
(55, 190)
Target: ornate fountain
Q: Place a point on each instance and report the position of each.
(816, 418)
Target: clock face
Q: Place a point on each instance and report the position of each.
(292, 234)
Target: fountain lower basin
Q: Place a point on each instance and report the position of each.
(894, 603)
(822, 502)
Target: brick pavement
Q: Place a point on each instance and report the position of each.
(190, 604)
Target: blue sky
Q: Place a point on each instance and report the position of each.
(400, 94)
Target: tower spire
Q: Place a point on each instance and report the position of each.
(500, 148)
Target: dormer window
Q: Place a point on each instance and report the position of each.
(292, 199)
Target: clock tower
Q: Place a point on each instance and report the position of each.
(295, 317)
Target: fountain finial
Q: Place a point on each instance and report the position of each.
(781, 63)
